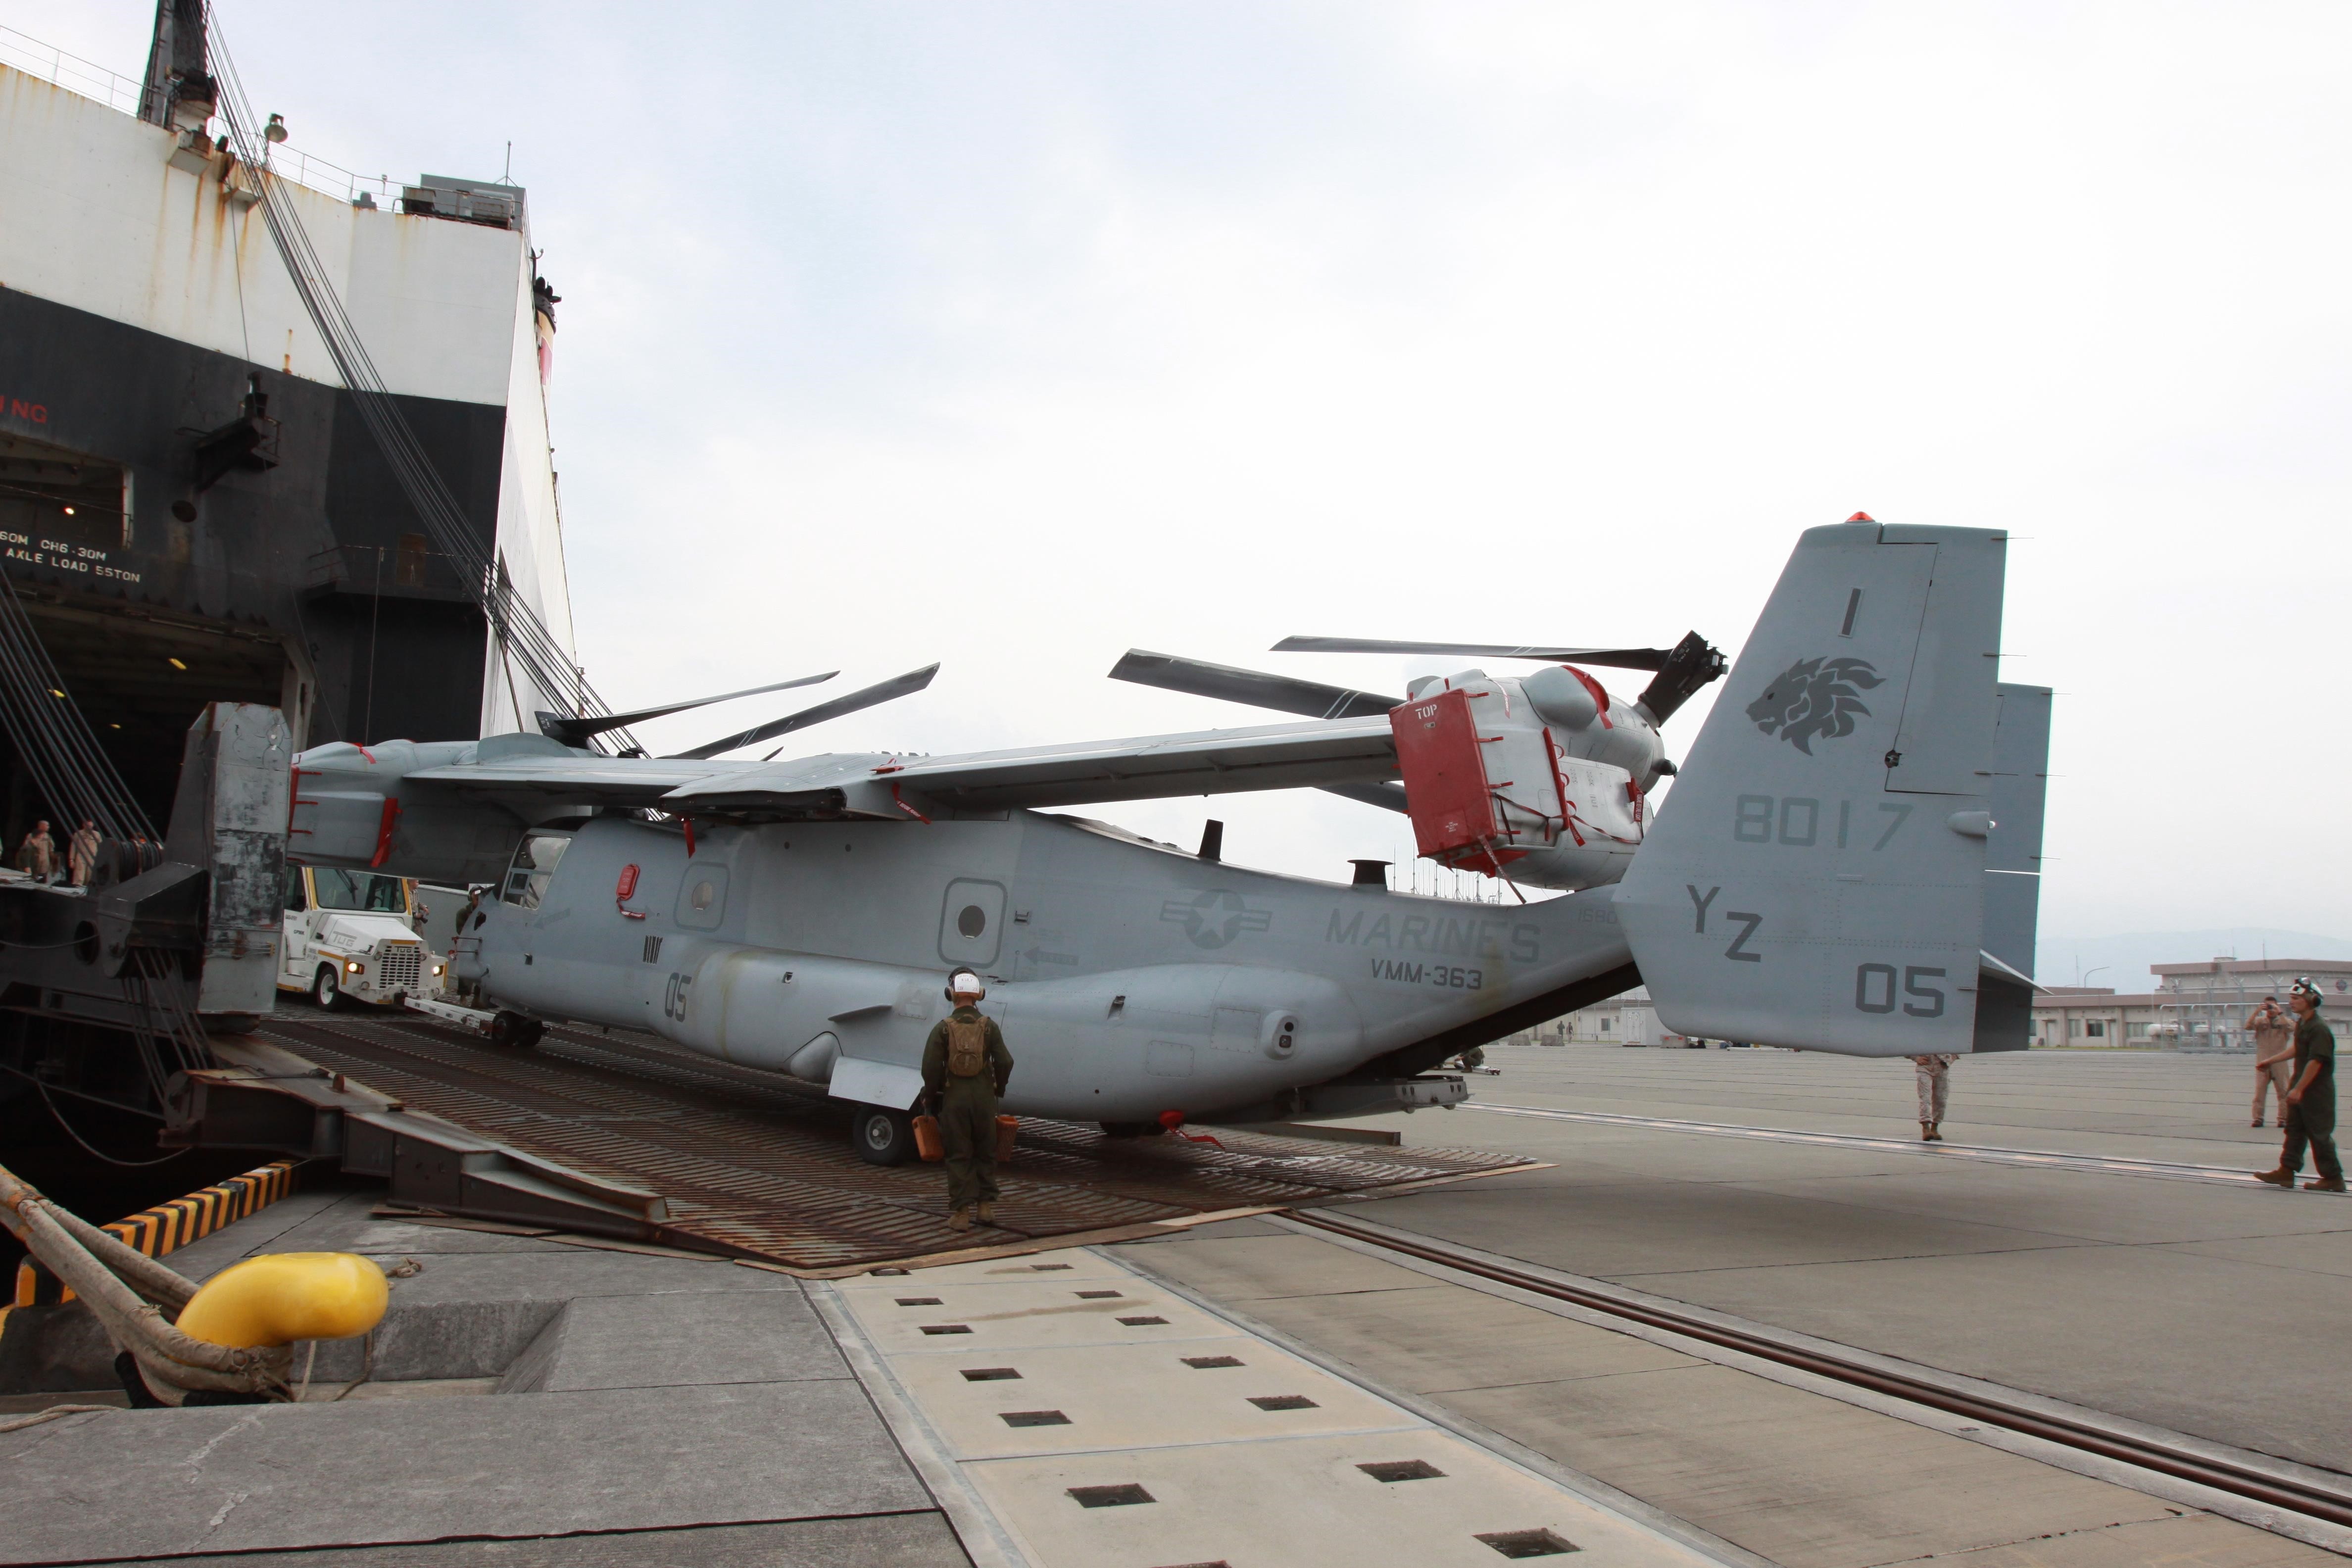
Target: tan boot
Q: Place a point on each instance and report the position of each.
(987, 1212)
(2280, 1178)
(960, 1220)
(2323, 1184)
(1927, 1132)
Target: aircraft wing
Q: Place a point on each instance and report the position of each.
(577, 778)
(1211, 761)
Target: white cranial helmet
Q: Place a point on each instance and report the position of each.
(965, 983)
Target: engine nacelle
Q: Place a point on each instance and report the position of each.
(1542, 780)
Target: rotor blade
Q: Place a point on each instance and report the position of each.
(1694, 662)
(1387, 796)
(1615, 658)
(574, 732)
(1279, 692)
(884, 691)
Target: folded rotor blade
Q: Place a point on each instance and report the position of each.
(1279, 692)
(884, 691)
(1387, 796)
(1615, 658)
(1694, 662)
(574, 732)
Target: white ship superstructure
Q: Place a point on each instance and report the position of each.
(190, 503)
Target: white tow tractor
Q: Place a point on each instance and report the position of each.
(351, 936)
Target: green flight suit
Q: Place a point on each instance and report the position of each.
(966, 1108)
(2313, 1120)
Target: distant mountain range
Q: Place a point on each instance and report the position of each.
(2123, 962)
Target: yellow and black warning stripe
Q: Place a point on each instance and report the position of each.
(169, 1227)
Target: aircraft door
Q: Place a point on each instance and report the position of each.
(972, 920)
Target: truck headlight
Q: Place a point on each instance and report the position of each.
(438, 968)
(353, 965)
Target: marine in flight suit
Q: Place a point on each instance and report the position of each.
(965, 1069)
(2310, 1099)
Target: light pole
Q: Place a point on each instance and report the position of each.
(2083, 980)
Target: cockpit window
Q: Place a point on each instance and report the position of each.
(534, 868)
(362, 890)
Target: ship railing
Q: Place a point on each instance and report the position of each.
(89, 80)
(71, 71)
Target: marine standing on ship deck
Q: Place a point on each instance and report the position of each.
(965, 1068)
(81, 853)
(38, 856)
(2311, 1101)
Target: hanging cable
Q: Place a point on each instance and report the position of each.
(53, 738)
(512, 620)
(86, 1149)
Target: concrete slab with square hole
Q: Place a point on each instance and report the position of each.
(1026, 1310)
(1308, 1502)
(1194, 1441)
(1131, 1396)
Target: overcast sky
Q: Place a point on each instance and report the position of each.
(1015, 335)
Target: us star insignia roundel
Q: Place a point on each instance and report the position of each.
(1815, 699)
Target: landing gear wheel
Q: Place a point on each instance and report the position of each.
(883, 1137)
(1132, 1129)
(514, 1030)
(326, 988)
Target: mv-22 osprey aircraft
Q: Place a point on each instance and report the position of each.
(1847, 862)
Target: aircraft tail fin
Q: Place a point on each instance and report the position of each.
(2013, 896)
(1817, 876)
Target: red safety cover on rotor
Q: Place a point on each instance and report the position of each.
(1445, 774)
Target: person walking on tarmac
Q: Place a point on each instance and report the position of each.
(965, 1068)
(1935, 1074)
(2273, 1033)
(2311, 1100)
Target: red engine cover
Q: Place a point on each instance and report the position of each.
(1445, 774)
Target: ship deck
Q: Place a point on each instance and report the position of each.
(749, 1164)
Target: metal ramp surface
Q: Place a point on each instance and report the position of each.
(743, 1162)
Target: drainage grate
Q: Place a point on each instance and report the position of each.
(1220, 1562)
(1111, 1497)
(1204, 1363)
(1388, 1470)
(1141, 1322)
(947, 1328)
(1286, 1402)
(1050, 1268)
(989, 1373)
(918, 1301)
(1096, 1295)
(1529, 1543)
(1034, 1418)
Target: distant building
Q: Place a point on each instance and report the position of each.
(1629, 1019)
(2193, 1004)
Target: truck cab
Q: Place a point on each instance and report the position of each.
(351, 936)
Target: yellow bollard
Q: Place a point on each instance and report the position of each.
(282, 1297)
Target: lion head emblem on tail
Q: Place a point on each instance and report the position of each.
(1814, 696)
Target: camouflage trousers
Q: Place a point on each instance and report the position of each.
(1935, 1092)
(2312, 1125)
(968, 1127)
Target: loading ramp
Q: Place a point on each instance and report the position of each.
(623, 1134)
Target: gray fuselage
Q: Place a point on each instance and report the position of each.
(1131, 979)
